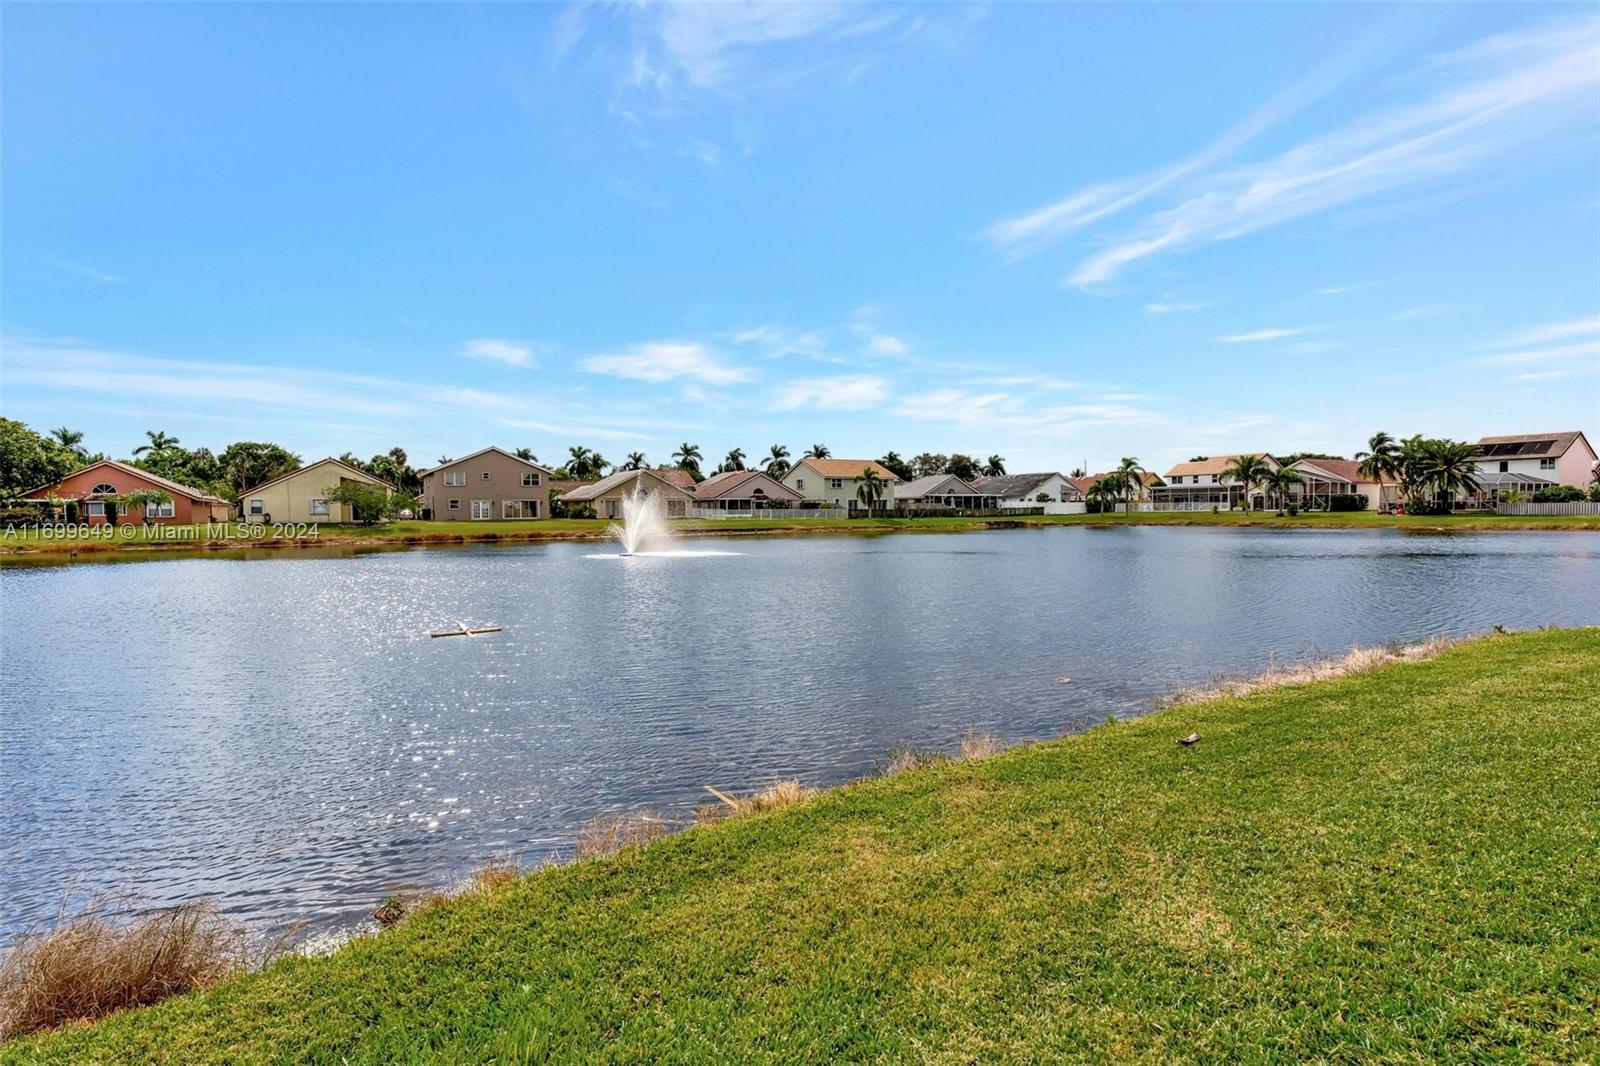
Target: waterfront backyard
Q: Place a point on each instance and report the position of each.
(281, 733)
(1396, 865)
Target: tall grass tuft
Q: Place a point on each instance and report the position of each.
(92, 963)
(1325, 668)
(497, 872)
(609, 834)
(976, 745)
(779, 794)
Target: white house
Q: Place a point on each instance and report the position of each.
(1202, 483)
(1532, 461)
(1024, 490)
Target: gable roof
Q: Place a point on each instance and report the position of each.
(1149, 479)
(849, 468)
(362, 474)
(1214, 464)
(1531, 445)
(935, 485)
(674, 476)
(1010, 486)
(1338, 470)
(595, 489)
(491, 448)
(744, 484)
(155, 479)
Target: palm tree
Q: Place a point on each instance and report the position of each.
(1246, 470)
(1108, 490)
(817, 451)
(777, 463)
(1453, 470)
(597, 464)
(995, 467)
(1379, 462)
(635, 461)
(734, 461)
(521, 453)
(1132, 479)
(1278, 482)
(159, 442)
(869, 489)
(579, 462)
(1078, 472)
(688, 457)
(70, 439)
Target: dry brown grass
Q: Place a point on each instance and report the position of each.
(976, 745)
(1326, 668)
(93, 963)
(779, 794)
(609, 834)
(496, 872)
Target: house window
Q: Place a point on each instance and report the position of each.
(1213, 479)
(1504, 466)
(486, 475)
(836, 483)
(103, 489)
(97, 509)
(257, 507)
(1547, 464)
(159, 510)
(319, 507)
(482, 509)
(455, 477)
(800, 483)
(453, 505)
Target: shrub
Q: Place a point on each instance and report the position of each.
(1293, 509)
(1594, 492)
(91, 964)
(1347, 501)
(1428, 507)
(72, 512)
(1558, 494)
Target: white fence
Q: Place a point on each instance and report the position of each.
(775, 513)
(1547, 508)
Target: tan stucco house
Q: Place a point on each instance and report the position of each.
(833, 482)
(673, 487)
(302, 495)
(492, 483)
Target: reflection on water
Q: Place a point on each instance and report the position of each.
(282, 732)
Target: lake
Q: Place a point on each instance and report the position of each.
(282, 732)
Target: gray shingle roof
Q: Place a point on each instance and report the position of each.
(1011, 486)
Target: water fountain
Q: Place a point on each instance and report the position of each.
(642, 525)
(644, 533)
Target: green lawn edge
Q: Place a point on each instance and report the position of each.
(1396, 865)
(23, 545)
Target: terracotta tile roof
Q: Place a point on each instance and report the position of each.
(1149, 479)
(673, 476)
(155, 479)
(847, 468)
(1215, 464)
(742, 485)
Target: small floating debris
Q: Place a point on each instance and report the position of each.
(1063, 679)
(464, 630)
(1192, 738)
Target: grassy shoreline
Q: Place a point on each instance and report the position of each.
(1402, 863)
(27, 543)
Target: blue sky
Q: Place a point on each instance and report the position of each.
(1064, 234)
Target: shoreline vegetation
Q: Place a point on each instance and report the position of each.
(1393, 853)
(29, 543)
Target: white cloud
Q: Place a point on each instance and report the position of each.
(1172, 308)
(511, 353)
(1412, 314)
(887, 344)
(1260, 335)
(1554, 331)
(1556, 353)
(846, 392)
(1499, 103)
(658, 361)
(1340, 290)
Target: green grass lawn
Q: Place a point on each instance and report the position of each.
(1401, 865)
(20, 542)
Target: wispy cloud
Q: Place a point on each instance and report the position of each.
(658, 361)
(1551, 352)
(511, 353)
(83, 270)
(1412, 314)
(1257, 336)
(1499, 102)
(846, 392)
(1340, 290)
(1554, 331)
(1172, 308)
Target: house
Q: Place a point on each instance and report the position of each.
(491, 483)
(1534, 461)
(301, 496)
(1024, 490)
(1201, 483)
(1322, 478)
(675, 489)
(743, 490)
(1142, 491)
(833, 482)
(92, 486)
(939, 490)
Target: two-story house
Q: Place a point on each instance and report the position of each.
(835, 482)
(1532, 461)
(491, 483)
